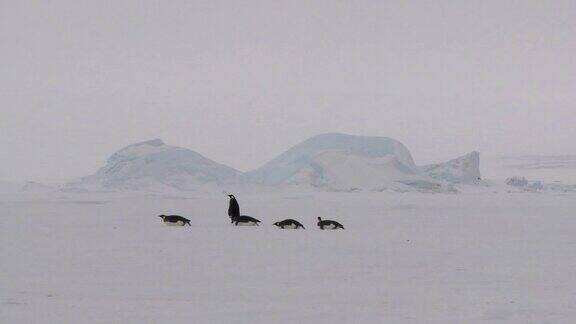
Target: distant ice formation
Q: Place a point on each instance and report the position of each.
(331, 162)
(536, 186)
(465, 169)
(340, 162)
(155, 165)
(517, 182)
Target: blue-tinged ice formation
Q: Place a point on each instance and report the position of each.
(154, 164)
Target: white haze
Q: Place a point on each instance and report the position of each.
(240, 82)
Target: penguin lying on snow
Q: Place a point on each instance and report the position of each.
(245, 220)
(289, 223)
(329, 224)
(175, 220)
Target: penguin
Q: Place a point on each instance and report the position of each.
(329, 224)
(289, 223)
(175, 220)
(244, 221)
(233, 207)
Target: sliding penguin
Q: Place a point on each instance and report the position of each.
(329, 224)
(244, 221)
(289, 223)
(233, 207)
(175, 220)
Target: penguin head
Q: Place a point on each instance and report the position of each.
(319, 219)
(277, 223)
(231, 196)
(162, 216)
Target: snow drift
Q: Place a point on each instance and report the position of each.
(153, 164)
(465, 169)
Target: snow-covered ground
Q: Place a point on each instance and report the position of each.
(481, 255)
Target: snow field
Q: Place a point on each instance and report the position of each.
(403, 258)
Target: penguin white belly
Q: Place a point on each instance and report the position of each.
(178, 223)
(331, 226)
(291, 226)
(248, 224)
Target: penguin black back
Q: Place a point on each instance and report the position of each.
(175, 220)
(244, 220)
(289, 223)
(233, 207)
(329, 224)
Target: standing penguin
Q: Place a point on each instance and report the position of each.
(233, 207)
(329, 224)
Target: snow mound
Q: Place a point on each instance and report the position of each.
(157, 166)
(340, 162)
(465, 169)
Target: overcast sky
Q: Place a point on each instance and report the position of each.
(241, 81)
